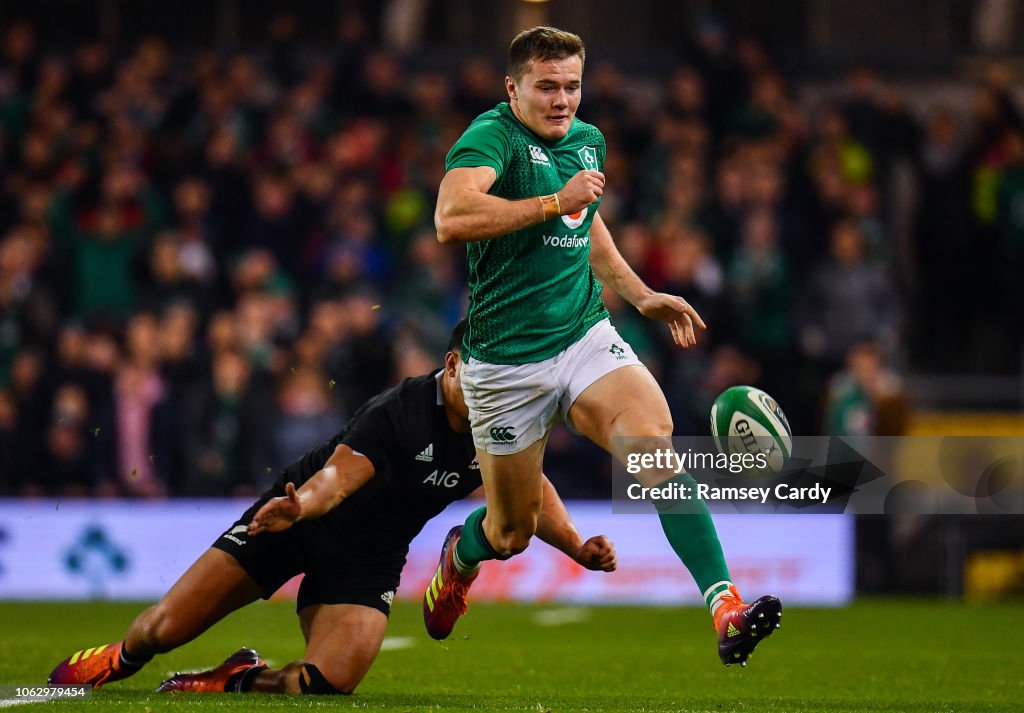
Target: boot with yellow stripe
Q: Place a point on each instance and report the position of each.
(97, 666)
(445, 599)
(741, 627)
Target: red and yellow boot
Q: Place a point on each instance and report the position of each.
(445, 599)
(97, 666)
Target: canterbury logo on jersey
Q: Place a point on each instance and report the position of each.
(503, 434)
(566, 241)
(537, 155)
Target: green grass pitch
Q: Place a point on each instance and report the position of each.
(878, 655)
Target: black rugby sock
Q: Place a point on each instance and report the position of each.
(242, 681)
(129, 660)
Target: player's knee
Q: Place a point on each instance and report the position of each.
(655, 428)
(313, 681)
(514, 538)
(652, 441)
(643, 426)
(511, 546)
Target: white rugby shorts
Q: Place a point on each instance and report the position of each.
(512, 406)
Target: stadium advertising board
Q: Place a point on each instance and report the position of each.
(136, 550)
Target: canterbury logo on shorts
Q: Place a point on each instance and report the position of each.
(503, 434)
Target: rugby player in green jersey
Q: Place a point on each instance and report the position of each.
(522, 191)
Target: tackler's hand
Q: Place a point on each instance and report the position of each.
(277, 514)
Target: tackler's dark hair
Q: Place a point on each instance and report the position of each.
(455, 341)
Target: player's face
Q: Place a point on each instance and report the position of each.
(547, 95)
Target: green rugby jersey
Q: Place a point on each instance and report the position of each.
(532, 292)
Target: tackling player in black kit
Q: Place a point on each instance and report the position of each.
(344, 515)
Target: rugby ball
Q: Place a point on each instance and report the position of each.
(747, 420)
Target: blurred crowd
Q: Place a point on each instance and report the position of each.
(208, 260)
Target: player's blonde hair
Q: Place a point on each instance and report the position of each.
(542, 43)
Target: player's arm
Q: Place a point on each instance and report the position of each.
(343, 474)
(555, 527)
(613, 270)
(467, 213)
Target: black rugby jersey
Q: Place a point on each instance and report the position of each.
(421, 465)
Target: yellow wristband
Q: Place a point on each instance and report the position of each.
(550, 206)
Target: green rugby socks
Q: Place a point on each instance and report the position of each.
(691, 533)
(473, 547)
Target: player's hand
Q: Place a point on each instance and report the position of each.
(582, 189)
(681, 317)
(277, 514)
(598, 554)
